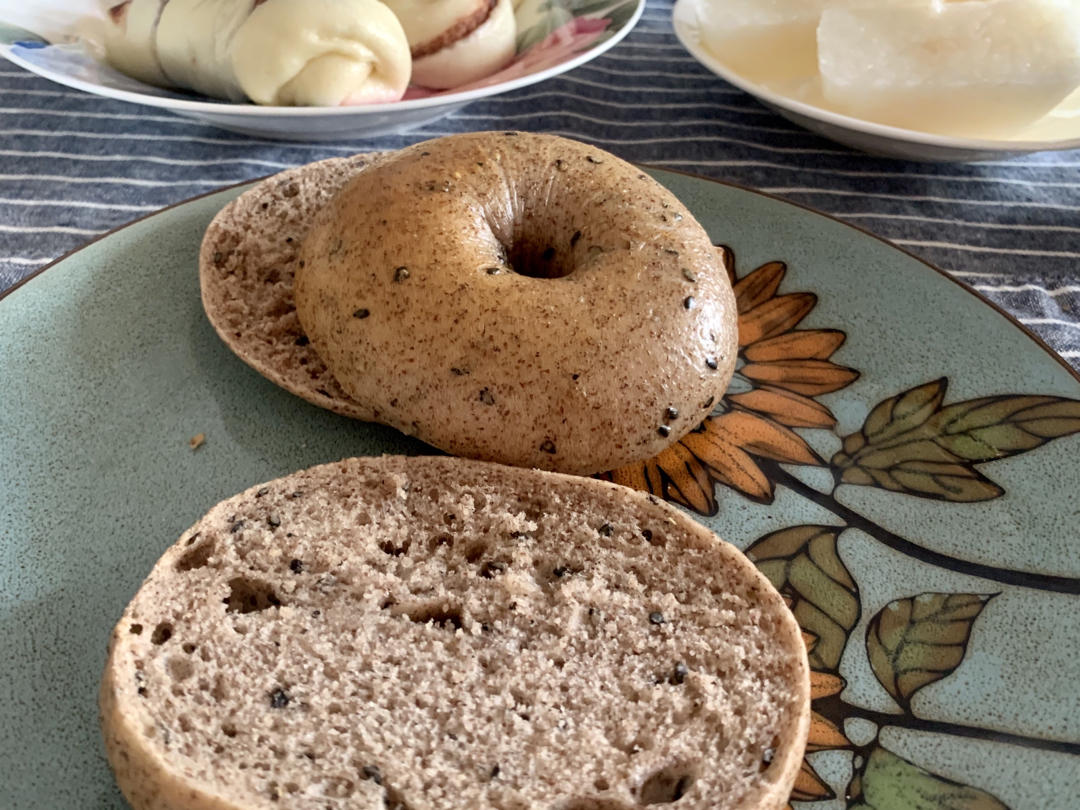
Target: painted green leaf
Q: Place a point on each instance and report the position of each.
(904, 412)
(919, 640)
(803, 564)
(909, 443)
(996, 427)
(888, 782)
(929, 479)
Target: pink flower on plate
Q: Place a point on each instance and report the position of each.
(564, 42)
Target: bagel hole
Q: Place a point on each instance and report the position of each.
(538, 258)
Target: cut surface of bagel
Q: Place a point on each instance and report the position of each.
(434, 633)
(247, 264)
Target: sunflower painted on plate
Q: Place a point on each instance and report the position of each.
(780, 369)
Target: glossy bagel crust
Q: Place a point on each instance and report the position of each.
(519, 298)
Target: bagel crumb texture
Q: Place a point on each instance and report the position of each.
(440, 634)
(530, 258)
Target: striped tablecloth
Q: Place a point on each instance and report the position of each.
(73, 165)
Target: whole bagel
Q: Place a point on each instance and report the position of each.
(519, 298)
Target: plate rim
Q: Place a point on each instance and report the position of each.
(1012, 319)
(684, 25)
(220, 108)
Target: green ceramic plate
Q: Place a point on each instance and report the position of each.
(899, 458)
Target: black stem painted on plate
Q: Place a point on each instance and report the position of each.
(837, 710)
(1023, 579)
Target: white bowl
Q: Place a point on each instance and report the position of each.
(553, 37)
(1057, 131)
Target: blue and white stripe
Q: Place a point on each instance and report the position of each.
(73, 165)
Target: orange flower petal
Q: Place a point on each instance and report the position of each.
(643, 476)
(690, 479)
(824, 734)
(776, 315)
(808, 377)
(802, 344)
(824, 684)
(785, 407)
(632, 475)
(809, 787)
(758, 286)
(763, 437)
(730, 465)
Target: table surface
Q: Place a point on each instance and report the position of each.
(74, 166)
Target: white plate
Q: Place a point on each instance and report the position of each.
(1059, 130)
(48, 37)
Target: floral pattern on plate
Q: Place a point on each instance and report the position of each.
(912, 444)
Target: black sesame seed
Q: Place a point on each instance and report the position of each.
(236, 527)
(297, 494)
(672, 412)
(142, 691)
(487, 397)
(548, 254)
(424, 154)
(323, 391)
(303, 340)
(273, 520)
(574, 238)
(664, 431)
(491, 569)
(316, 614)
(647, 534)
(656, 617)
(495, 771)
(688, 302)
(560, 165)
(712, 363)
(279, 699)
(574, 376)
(486, 628)
(262, 492)
(671, 251)
(678, 675)
(361, 313)
(708, 403)
(559, 572)
(548, 446)
(606, 530)
(458, 372)
(372, 774)
(400, 274)
(592, 159)
(296, 566)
